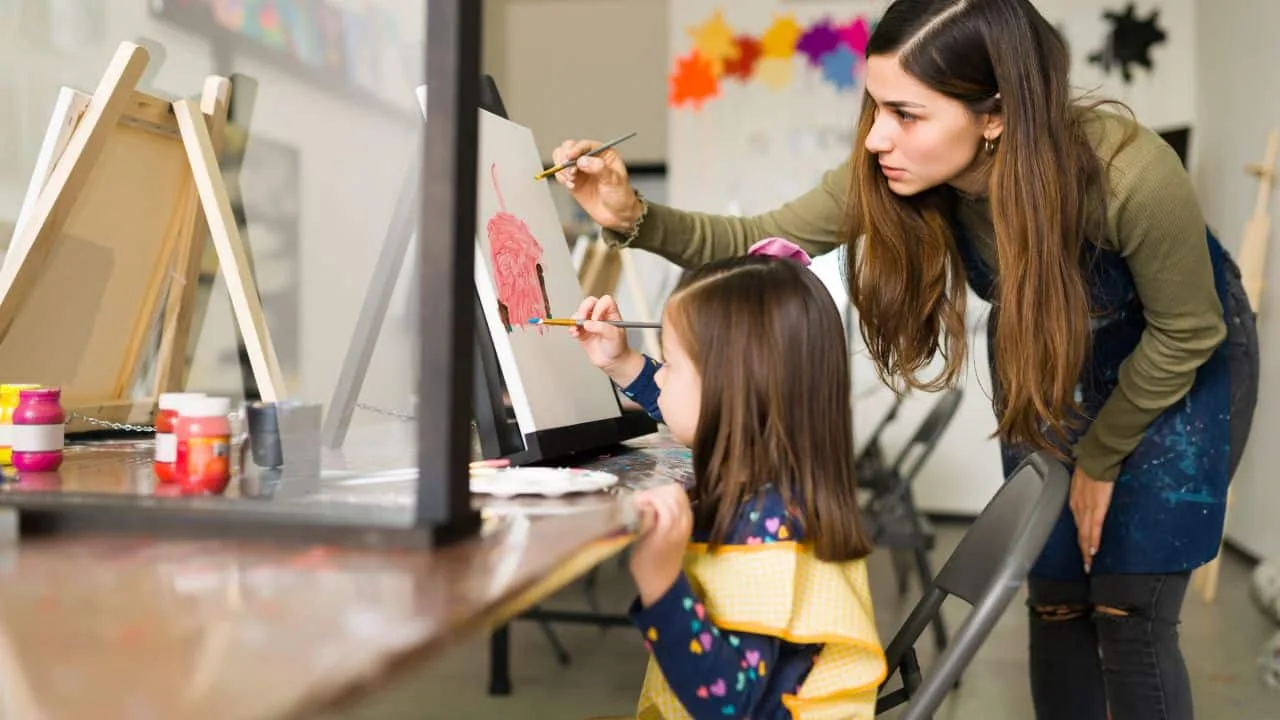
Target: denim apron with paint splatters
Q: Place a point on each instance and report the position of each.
(1169, 502)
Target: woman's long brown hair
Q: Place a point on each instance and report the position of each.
(1045, 180)
(768, 342)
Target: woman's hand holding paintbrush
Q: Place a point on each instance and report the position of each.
(605, 344)
(599, 183)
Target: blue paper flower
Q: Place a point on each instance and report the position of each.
(837, 67)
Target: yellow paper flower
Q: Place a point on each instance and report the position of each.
(715, 42)
(779, 41)
(774, 72)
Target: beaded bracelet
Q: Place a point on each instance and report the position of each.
(634, 232)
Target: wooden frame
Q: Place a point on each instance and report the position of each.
(111, 225)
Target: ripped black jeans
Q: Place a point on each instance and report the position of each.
(1111, 641)
(1108, 642)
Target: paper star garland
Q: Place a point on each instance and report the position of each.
(774, 72)
(779, 41)
(693, 81)
(837, 67)
(855, 36)
(742, 66)
(834, 48)
(1129, 42)
(714, 41)
(817, 41)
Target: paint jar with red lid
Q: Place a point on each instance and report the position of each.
(203, 460)
(166, 454)
(39, 427)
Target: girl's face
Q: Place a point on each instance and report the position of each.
(921, 137)
(681, 398)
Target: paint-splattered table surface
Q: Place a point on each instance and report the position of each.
(113, 627)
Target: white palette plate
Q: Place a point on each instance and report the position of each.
(547, 482)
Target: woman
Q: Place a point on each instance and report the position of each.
(1110, 299)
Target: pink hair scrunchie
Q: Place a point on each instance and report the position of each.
(780, 248)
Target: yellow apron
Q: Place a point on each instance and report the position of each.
(781, 590)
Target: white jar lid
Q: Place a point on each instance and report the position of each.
(175, 400)
(206, 407)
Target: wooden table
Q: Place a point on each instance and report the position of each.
(114, 627)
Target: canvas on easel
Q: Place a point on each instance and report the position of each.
(106, 250)
(524, 271)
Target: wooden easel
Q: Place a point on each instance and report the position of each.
(112, 226)
(1253, 262)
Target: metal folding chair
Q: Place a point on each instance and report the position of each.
(890, 513)
(985, 570)
(871, 461)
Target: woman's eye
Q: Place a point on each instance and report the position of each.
(905, 116)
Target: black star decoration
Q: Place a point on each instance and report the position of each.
(1129, 42)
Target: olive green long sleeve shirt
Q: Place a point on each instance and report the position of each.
(1154, 222)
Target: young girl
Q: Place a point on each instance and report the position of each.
(753, 596)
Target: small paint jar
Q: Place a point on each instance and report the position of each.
(203, 460)
(9, 403)
(39, 426)
(166, 455)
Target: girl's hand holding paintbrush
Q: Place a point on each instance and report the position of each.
(606, 345)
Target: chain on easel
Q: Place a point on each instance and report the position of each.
(125, 427)
(108, 424)
(407, 417)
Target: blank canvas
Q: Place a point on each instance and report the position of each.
(524, 270)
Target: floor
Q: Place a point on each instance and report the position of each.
(1221, 643)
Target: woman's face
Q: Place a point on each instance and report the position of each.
(921, 137)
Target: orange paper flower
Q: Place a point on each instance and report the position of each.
(693, 81)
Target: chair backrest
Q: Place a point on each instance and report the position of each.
(872, 463)
(927, 435)
(889, 416)
(986, 569)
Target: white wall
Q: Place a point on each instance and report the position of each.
(1161, 99)
(572, 68)
(582, 69)
(1238, 104)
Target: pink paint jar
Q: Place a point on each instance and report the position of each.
(38, 430)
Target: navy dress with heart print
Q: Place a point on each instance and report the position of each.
(720, 673)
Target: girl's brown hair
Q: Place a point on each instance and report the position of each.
(768, 342)
(1045, 180)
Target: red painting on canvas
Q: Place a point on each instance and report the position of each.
(517, 270)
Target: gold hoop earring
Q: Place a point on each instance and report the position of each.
(989, 145)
